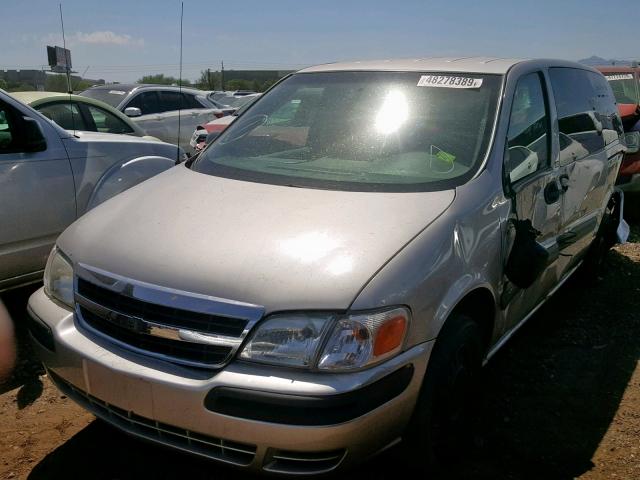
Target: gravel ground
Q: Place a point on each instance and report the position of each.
(562, 401)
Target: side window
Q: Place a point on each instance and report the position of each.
(528, 137)
(190, 101)
(65, 114)
(576, 101)
(147, 102)
(606, 109)
(170, 101)
(8, 136)
(107, 122)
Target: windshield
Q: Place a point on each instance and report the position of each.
(395, 131)
(623, 86)
(112, 96)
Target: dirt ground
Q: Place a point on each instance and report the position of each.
(562, 401)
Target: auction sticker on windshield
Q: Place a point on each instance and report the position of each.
(446, 81)
(627, 76)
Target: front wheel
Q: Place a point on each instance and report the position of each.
(441, 426)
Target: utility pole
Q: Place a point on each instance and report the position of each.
(209, 87)
(222, 75)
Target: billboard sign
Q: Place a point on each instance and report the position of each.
(59, 59)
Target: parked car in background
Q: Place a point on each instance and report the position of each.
(233, 102)
(625, 86)
(156, 108)
(203, 134)
(360, 241)
(50, 176)
(76, 112)
(217, 94)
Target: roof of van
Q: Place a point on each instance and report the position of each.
(436, 64)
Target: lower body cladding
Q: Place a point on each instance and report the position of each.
(259, 417)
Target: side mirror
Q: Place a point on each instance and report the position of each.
(132, 112)
(632, 139)
(33, 139)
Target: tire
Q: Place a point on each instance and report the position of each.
(441, 426)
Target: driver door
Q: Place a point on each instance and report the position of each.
(533, 181)
(37, 198)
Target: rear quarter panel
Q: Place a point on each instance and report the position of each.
(105, 163)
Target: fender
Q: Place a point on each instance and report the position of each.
(123, 176)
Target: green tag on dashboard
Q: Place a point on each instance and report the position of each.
(445, 157)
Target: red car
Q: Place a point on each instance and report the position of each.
(199, 137)
(625, 84)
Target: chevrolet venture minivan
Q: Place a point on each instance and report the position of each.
(330, 274)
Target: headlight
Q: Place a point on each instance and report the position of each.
(291, 340)
(363, 340)
(329, 342)
(58, 278)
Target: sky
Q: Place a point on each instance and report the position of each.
(121, 40)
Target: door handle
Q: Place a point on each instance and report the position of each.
(564, 182)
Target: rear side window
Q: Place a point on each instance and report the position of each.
(107, 122)
(528, 137)
(606, 109)
(67, 115)
(190, 101)
(170, 101)
(587, 114)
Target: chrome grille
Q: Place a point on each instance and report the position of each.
(211, 447)
(176, 326)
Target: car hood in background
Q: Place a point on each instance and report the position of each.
(279, 247)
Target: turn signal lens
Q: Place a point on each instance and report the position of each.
(390, 336)
(364, 339)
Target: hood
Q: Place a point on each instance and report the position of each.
(85, 136)
(116, 147)
(279, 247)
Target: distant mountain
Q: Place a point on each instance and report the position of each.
(595, 60)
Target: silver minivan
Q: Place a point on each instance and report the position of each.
(330, 274)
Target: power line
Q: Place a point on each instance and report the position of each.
(169, 65)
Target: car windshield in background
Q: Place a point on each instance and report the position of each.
(112, 96)
(623, 86)
(234, 102)
(387, 131)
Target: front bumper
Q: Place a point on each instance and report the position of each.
(165, 403)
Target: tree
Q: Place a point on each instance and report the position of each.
(161, 79)
(3, 84)
(266, 85)
(19, 87)
(56, 83)
(209, 80)
(236, 84)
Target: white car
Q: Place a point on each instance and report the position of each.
(160, 110)
(50, 176)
